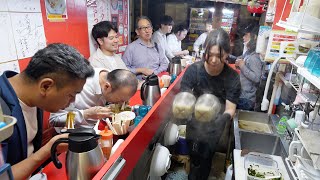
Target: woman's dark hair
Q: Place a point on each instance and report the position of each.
(180, 27)
(253, 39)
(60, 62)
(220, 38)
(102, 29)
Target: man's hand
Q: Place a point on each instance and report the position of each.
(185, 52)
(97, 112)
(146, 71)
(239, 63)
(63, 147)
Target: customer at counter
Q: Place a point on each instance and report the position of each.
(143, 56)
(43, 85)
(174, 41)
(212, 76)
(202, 38)
(250, 66)
(106, 36)
(116, 86)
(160, 36)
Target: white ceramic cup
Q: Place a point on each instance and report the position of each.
(166, 80)
(299, 117)
(184, 62)
(163, 90)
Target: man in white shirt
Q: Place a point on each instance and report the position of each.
(159, 37)
(202, 38)
(174, 41)
(116, 86)
(106, 36)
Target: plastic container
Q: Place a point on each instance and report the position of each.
(282, 126)
(7, 130)
(207, 108)
(307, 62)
(106, 142)
(183, 105)
(316, 62)
(262, 163)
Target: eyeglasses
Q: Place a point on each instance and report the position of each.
(145, 28)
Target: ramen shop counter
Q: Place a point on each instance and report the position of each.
(133, 147)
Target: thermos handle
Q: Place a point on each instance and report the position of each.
(54, 156)
(143, 86)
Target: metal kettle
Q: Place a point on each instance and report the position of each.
(150, 90)
(84, 157)
(175, 66)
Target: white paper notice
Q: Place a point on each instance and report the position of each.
(28, 33)
(7, 47)
(97, 11)
(24, 5)
(3, 5)
(12, 66)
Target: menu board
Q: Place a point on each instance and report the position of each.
(274, 44)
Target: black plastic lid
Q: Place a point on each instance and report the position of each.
(83, 140)
(152, 80)
(176, 60)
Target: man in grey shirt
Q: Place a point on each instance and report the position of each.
(143, 56)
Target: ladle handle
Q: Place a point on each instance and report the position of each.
(54, 156)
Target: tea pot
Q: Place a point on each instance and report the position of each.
(175, 66)
(84, 157)
(150, 90)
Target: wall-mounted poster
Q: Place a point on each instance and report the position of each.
(56, 10)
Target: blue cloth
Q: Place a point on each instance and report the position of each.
(15, 148)
(138, 55)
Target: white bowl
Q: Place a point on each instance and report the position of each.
(171, 134)
(127, 115)
(161, 161)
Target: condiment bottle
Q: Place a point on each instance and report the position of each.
(106, 142)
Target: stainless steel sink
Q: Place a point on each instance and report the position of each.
(255, 139)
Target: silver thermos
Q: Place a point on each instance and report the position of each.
(150, 90)
(84, 157)
(175, 66)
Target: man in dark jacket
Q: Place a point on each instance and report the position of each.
(50, 82)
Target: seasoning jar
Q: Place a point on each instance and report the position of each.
(106, 142)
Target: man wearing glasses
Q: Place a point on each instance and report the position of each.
(143, 56)
(166, 23)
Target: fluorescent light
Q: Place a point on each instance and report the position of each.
(227, 11)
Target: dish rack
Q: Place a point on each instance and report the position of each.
(310, 142)
(6, 132)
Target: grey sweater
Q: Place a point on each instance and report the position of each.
(250, 76)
